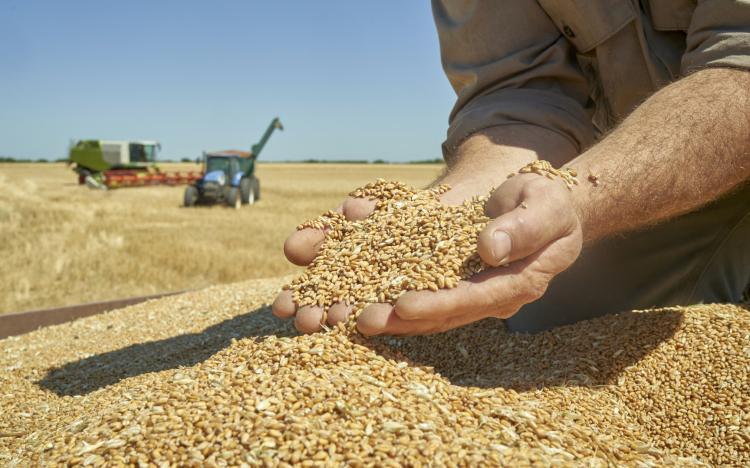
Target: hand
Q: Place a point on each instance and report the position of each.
(301, 248)
(537, 242)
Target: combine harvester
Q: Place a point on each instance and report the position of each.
(104, 164)
(229, 176)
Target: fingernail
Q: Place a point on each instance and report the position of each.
(501, 246)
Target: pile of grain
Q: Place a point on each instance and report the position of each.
(638, 389)
(318, 399)
(677, 377)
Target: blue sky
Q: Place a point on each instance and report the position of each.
(349, 80)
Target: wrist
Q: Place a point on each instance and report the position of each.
(479, 176)
(485, 159)
(584, 197)
(579, 200)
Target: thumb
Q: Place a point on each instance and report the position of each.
(527, 228)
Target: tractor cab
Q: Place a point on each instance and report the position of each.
(229, 177)
(225, 168)
(228, 164)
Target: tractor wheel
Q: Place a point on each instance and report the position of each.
(247, 192)
(191, 195)
(234, 198)
(255, 184)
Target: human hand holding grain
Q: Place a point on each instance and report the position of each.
(684, 147)
(544, 241)
(481, 164)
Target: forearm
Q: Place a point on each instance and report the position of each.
(485, 159)
(686, 145)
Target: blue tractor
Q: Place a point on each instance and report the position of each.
(229, 176)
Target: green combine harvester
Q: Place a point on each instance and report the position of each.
(113, 163)
(97, 156)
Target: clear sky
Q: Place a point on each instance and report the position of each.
(348, 79)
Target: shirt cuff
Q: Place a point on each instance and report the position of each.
(719, 36)
(550, 110)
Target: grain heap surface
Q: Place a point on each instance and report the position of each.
(164, 380)
(678, 377)
(319, 401)
(410, 241)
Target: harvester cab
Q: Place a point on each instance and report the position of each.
(229, 176)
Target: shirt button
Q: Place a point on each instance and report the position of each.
(569, 32)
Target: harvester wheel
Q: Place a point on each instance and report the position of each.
(234, 198)
(255, 184)
(247, 192)
(191, 195)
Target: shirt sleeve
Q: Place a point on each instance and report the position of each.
(509, 64)
(719, 35)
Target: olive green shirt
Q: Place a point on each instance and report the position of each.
(577, 66)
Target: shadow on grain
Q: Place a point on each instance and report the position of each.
(98, 371)
(589, 353)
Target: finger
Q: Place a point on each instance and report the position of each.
(382, 319)
(284, 306)
(357, 209)
(338, 313)
(308, 319)
(545, 216)
(374, 319)
(479, 296)
(302, 246)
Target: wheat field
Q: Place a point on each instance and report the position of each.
(62, 243)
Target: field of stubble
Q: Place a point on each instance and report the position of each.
(62, 243)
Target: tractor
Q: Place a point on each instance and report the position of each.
(229, 176)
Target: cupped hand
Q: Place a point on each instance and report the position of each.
(536, 231)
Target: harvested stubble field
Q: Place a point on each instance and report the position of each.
(64, 244)
(212, 378)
